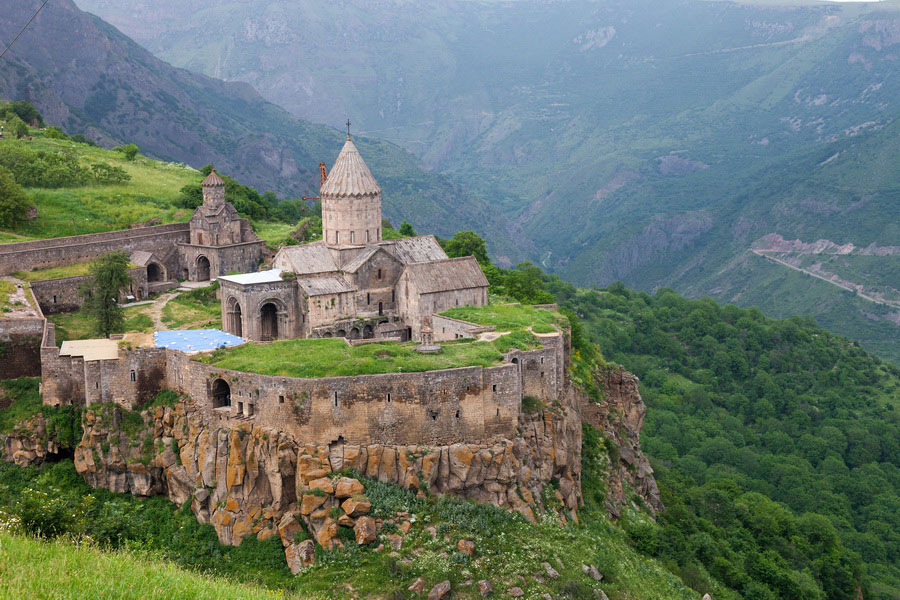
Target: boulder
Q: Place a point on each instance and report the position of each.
(515, 592)
(440, 591)
(551, 572)
(485, 588)
(417, 587)
(322, 483)
(466, 546)
(311, 502)
(592, 572)
(364, 530)
(300, 555)
(347, 487)
(356, 507)
(396, 541)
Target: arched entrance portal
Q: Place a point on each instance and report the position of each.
(155, 273)
(236, 325)
(202, 268)
(268, 315)
(221, 394)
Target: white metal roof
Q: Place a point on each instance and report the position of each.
(99, 349)
(270, 276)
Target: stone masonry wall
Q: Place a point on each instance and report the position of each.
(82, 248)
(62, 295)
(20, 347)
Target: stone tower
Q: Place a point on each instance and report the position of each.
(213, 189)
(351, 201)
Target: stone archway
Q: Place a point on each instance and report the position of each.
(155, 273)
(368, 332)
(235, 318)
(354, 333)
(202, 268)
(268, 316)
(221, 394)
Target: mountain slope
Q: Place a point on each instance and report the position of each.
(88, 77)
(646, 141)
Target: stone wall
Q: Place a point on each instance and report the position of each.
(242, 305)
(62, 294)
(25, 256)
(20, 347)
(236, 258)
(476, 404)
(446, 328)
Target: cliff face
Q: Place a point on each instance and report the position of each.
(620, 416)
(29, 443)
(245, 480)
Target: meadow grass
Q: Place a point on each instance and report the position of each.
(508, 317)
(78, 325)
(335, 358)
(6, 288)
(62, 570)
(197, 309)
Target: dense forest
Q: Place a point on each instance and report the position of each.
(776, 443)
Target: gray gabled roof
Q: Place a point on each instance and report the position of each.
(141, 258)
(363, 257)
(306, 259)
(446, 275)
(325, 285)
(422, 248)
(350, 176)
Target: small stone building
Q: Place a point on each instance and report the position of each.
(221, 242)
(353, 283)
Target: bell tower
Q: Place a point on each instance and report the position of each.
(351, 201)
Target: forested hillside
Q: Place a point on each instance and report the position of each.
(679, 132)
(762, 432)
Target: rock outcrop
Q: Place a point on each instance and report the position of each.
(29, 443)
(620, 416)
(245, 481)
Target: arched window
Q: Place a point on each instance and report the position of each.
(221, 394)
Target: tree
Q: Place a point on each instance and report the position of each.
(129, 150)
(17, 126)
(109, 277)
(13, 201)
(27, 112)
(466, 243)
(406, 229)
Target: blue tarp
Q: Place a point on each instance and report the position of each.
(194, 340)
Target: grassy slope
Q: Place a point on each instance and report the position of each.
(61, 570)
(149, 194)
(78, 325)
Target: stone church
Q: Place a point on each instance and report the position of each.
(220, 241)
(352, 283)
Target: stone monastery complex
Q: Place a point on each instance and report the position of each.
(246, 448)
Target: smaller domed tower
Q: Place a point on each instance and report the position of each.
(213, 189)
(351, 201)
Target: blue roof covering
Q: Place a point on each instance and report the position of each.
(194, 340)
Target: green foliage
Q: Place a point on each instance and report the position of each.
(42, 168)
(109, 278)
(63, 422)
(406, 229)
(55, 133)
(13, 201)
(758, 429)
(106, 173)
(531, 405)
(129, 150)
(246, 200)
(465, 243)
(24, 110)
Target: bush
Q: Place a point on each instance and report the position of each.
(14, 203)
(129, 150)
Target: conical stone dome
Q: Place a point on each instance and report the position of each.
(350, 177)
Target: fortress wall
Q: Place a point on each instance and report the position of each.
(61, 295)
(470, 403)
(20, 347)
(446, 328)
(82, 248)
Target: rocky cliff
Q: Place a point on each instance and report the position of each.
(250, 480)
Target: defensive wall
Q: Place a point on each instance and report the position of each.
(20, 344)
(62, 294)
(471, 404)
(55, 252)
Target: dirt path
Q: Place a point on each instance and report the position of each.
(155, 311)
(863, 295)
